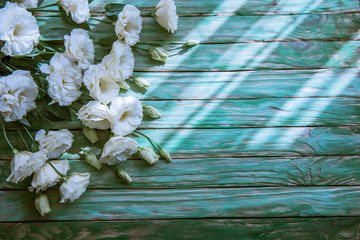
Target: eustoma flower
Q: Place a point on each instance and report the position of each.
(64, 78)
(18, 92)
(27, 3)
(18, 29)
(165, 14)
(80, 48)
(74, 186)
(55, 142)
(128, 25)
(118, 149)
(127, 115)
(79, 9)
(95, 115)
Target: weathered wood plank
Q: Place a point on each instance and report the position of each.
(250, 84)
(257, 55)
(272, 228)
(244, 7)
(265, 112)
(116, 204)
(221, 29)
(219, 172)
(283, 141)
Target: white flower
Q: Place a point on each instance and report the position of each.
(74, 186)
(118, 149)
(64, 79)
(18, 92)
(79, 9)
(95, 115)
(148, 155)
(47, 177)
(165, 15)
(80, 48)
(101, 86)
(127, 115)
(55, 142)
(27, 3)
(128, 25)
(25, 163)
(18, 29)
(120, 62)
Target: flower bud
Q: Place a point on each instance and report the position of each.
(148, 155)
(141, 82)
(159, 54)
(124, 85)
(192, 42)
(152, 112)
(42, 204)
(165, 154)
(124, 176)
(90, 134)
(92, 160)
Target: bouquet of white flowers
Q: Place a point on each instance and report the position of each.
(44, 82)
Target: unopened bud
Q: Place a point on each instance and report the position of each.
(42, 204)
(124, 176)
(165, 154)
(152, 112)
(192, 42)
(91, 159)
(124, 85)
(159, 54)
(141, 82)
(148, 155)
(90, 134)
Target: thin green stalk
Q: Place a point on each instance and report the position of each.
(32, 138)
(5, 135)
(73, 110)
(149, 139)
(45, 6)
(22, 139)
(102, 21)
(49, 121)
(136, 47)
(6, 67)
(43, 10)
(61, 175)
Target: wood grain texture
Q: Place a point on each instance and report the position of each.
(248, 7)
(117, 204)
(283, 141)
(250, 84)
(220, 29)
(272, 228)
(218, 172)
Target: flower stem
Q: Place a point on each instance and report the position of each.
(49, 121)
(102, 21)
(32, 138)
(149, 139)
(136, 47)
(61, 175)
(45, 6)
(22, 139)
(6, 67)
(5, 135)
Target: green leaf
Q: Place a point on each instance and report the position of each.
(108, 41)
(25, 122)
(2, 3)
(113, 9)
(34, 147)
(68, 20)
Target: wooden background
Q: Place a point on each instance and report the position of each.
(262, 119)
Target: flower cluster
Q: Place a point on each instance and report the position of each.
(70, 78)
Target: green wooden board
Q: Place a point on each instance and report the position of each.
(218, 172)
(268, 228)
(116, 204)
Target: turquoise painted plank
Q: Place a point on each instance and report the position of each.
(220, 29)
(194, 143)
(218, 172)
(212, 229)
(250, 84)
(121, 204)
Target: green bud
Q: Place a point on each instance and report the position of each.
(152, 112)
(42, 204)
(141, 82)
(124, 176)
(124, 85)
(148, 155)
(192, 42)
(90, 134)
(165, 154)
(159, 54)
(92, 160)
